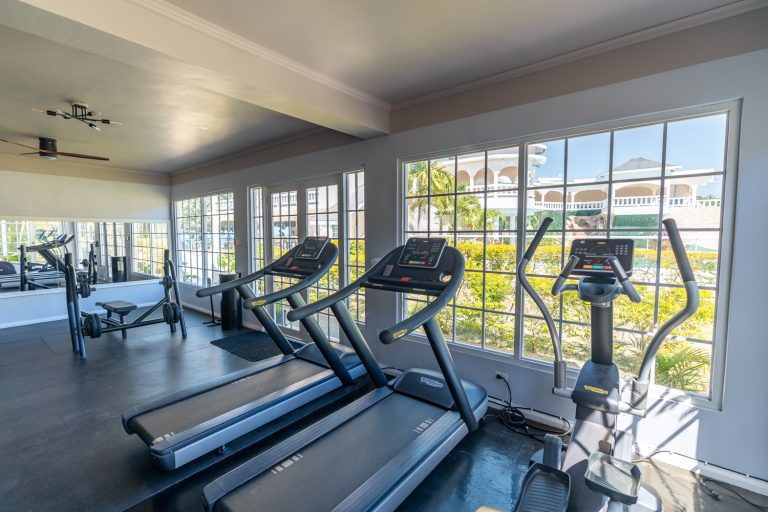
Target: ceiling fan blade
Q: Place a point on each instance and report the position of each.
(78, 155)
(20, 144)
(35, 153)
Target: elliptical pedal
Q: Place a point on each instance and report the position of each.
(545, 489)
(618, 479)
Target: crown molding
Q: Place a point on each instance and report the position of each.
(69, 169)
(695, 20)
(192, 21)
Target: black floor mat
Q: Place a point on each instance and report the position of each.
(252, 346)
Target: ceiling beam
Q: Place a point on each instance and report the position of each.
(159, 36)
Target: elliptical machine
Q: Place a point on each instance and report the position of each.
(596, 473)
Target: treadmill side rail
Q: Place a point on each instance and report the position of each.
(230, 481)
(375, 488)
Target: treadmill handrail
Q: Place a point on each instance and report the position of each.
(281, 294)
(422, 316)
(286, 292)
(330, 300)
(230, 285)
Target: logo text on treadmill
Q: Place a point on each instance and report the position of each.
(431, 382)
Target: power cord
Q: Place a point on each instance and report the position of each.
(515, 420)
(707, 485)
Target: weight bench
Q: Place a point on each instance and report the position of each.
(118, 307)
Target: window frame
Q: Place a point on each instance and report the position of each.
(152, 248)
(727, 227)
(204, 269)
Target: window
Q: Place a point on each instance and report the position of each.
(471, 201)
(189, 240)
(258, 257)
(617, 183)
(14, 233)
(285, 234)
(354, 261)
(149, 241)
(323, 220)
(86, 235)
(112, 243)
(205, 237)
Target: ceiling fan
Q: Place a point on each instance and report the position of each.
(48, 149)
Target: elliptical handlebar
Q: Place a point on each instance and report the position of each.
(560, 365)
(623, 278)
(639, 393)
(557, 288)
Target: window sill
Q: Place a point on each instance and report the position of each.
(656, 393)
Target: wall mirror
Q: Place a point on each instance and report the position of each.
(109, 253)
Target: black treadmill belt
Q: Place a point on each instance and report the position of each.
(193, 411)
(322, 474)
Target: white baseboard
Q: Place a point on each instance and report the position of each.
(750, 483)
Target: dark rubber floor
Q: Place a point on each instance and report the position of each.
(62, 445)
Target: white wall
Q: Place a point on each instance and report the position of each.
(733, 437)
(30, 195)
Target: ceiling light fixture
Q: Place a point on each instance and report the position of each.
(81, 113)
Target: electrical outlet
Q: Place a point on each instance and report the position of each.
(502, 376)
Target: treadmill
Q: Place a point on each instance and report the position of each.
(183, 426)
(372, 453)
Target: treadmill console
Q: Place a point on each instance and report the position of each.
(311, 247)
(593, 255)
(422, 252)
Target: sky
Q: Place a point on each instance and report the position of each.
(697, 143)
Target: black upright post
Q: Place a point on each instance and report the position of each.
(451, 376)
(229, 305)
(70, 290)
(356, 338)
(321, 341)
(602, 333)
(23, 269)
(266, 321)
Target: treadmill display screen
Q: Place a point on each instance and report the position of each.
(422, 252)
(311, 247)
(593, 255)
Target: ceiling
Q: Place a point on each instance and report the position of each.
(194, 81)
(400, 49)
(166, 124)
